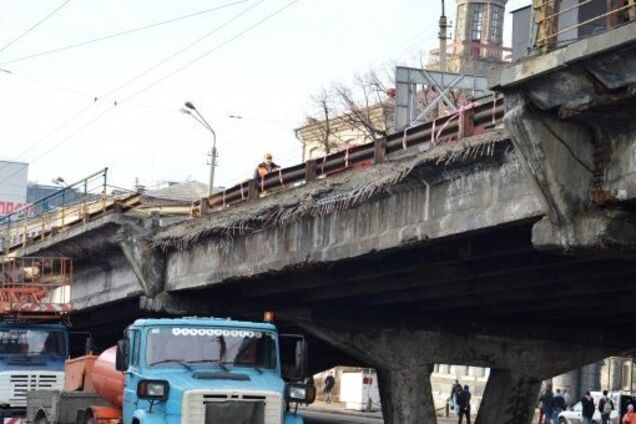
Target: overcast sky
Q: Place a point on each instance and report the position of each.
(50, 118)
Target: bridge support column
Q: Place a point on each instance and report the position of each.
(402, 351)
(509, 398)
(406, 395)
(403, 367)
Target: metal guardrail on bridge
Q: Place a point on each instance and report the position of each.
(559, 22)
(74, 204)
(470, 120)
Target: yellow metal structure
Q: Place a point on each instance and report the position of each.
(547, 14)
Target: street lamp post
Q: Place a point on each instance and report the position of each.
(189, 109)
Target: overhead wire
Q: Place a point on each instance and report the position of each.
(61, 141)
(45, 83)
(119, 34)
(172, 73)
(207, 53)
(241, 117)
(37, 24)
(130, 80)
(55, 129)
(73, 134)
(183, 49)
(272, 129)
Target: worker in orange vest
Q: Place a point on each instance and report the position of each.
(265, 168)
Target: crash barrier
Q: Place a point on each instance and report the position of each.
(71, 205)
(471, 119)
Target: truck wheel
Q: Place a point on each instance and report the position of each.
(563, 421)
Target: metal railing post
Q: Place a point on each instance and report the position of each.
(84, 210)
(379, 150)
(104, 187)
(547, 20)
(63, 206)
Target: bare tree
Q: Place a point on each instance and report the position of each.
(367, 105)
(362, 111)
(322, 120)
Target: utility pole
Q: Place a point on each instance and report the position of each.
(443, 66)
(443, 35)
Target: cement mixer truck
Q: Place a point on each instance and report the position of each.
(186, 370)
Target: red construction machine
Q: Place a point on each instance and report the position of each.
(34, 301)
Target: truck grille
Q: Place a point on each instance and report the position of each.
(20, 384)
(195, 404)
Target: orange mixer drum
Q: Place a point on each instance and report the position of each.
(108, 382)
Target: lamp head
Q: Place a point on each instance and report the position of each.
(189, 105)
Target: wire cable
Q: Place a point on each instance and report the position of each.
(118, 34)
(207, 53)
(62, 141)
(136, 77)
(56, 129)
(183, 49)
(47, 84)
(37, 24)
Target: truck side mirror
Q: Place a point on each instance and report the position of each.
(122, 358)
(293, 354)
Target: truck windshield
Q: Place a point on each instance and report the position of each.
(31, 341)
(233, 347)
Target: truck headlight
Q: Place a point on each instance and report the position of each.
(303, 393)
(153, 389)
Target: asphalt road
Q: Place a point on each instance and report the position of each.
(313, 417)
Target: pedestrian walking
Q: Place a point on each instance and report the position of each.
(541, 410)
(455, 391)
(605, 407)
(463, 402)
(587, 404)
(329, 382)
(547, 403)
(558, 406)
(567, 399)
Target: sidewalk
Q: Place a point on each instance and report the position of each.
(338, 408)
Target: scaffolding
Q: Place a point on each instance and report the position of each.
(562, 21)
(35, 287)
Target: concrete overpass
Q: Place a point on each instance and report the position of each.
(512, 248)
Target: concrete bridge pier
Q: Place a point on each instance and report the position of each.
(404, 371)
(406, 395)
(509, 398)
(403, 353)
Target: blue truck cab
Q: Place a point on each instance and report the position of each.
(210, 370)
(31, 358)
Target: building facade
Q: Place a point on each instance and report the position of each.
(477, 45)
(13, 186)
